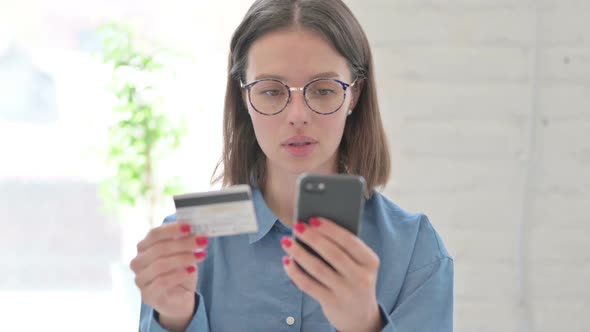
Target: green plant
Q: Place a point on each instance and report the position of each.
(140, 137)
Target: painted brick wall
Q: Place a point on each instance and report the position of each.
(487, 107)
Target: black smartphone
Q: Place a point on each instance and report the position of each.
(338, 197)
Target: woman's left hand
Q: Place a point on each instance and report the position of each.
(346, 293)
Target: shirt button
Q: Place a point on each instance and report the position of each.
(290, 320)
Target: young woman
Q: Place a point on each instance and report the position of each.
(301, 97)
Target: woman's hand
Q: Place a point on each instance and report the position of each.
(347, 293)
(166, 272)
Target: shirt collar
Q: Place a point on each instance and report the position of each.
(266, 218)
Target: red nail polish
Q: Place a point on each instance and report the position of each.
(200, 254)
(286, 242)
(286, 260)
(191, 269)
(185, 228)
(299, 227)
(315, 222)
(202, 241)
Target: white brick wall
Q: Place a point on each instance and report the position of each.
(487, 106)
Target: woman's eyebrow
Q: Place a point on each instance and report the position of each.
(328, 74)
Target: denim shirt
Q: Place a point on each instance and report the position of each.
(242, 285)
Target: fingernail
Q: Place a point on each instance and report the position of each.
(200, 254)
(299, 227)
(286, 242)
(191, 269)
(202, 241)
(286, 260)
(315, 222)
(185, 228)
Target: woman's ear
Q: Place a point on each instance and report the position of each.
(357, 89)
(244, 94)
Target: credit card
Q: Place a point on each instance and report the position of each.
(229, 211)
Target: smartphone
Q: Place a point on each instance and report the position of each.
(338, 197)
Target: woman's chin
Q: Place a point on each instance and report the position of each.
(308, 167)
(298, 166)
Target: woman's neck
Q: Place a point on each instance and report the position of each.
(279, 194)
(279, 191)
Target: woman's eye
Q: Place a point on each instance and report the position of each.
(325, 92)
(271, 93)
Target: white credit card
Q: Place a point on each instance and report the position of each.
(229, 211)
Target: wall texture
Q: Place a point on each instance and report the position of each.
(487, 107)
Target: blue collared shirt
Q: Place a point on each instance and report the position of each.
(242, 285)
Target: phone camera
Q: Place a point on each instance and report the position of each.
(315, 187)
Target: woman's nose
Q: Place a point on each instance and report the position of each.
(297, 110)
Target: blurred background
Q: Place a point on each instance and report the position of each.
(486, 104)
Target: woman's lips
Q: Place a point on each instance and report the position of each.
(299, 139)
(297, 150)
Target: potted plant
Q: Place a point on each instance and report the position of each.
(139, 139)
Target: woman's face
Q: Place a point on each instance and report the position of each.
(296, 57)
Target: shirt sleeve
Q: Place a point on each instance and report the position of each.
(149, 320)
(426, 300)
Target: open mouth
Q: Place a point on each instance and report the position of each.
(299, 144)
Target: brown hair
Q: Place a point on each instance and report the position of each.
(363, 149)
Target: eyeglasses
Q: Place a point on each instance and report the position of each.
(323, 95)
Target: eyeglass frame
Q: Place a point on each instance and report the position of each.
(303, 89)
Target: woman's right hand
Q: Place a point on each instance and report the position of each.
(166, 272)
